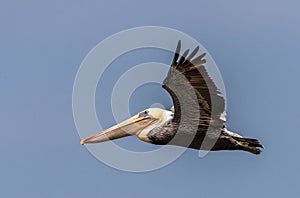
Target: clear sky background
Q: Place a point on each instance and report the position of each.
(254, 43)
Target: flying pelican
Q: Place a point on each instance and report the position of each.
(197, 119)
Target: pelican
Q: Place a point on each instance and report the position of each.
(197, 119)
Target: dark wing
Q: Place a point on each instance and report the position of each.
(187, 77)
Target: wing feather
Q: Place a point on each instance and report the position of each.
(209, 98)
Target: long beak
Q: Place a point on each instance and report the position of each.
(129, 127)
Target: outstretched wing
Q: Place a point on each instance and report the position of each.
(188, 72)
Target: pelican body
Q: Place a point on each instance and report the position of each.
(197, 119)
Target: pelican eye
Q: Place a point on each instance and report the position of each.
(144, 113)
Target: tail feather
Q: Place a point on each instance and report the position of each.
(249, 144)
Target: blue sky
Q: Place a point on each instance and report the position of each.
(255, 45)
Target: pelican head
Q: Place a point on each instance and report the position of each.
(140, 125)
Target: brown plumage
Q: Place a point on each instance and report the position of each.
(197, 102)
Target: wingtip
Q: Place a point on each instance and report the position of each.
(178, 47)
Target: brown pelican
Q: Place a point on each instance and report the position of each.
(197, 119)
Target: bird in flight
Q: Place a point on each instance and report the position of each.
(197, 119)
